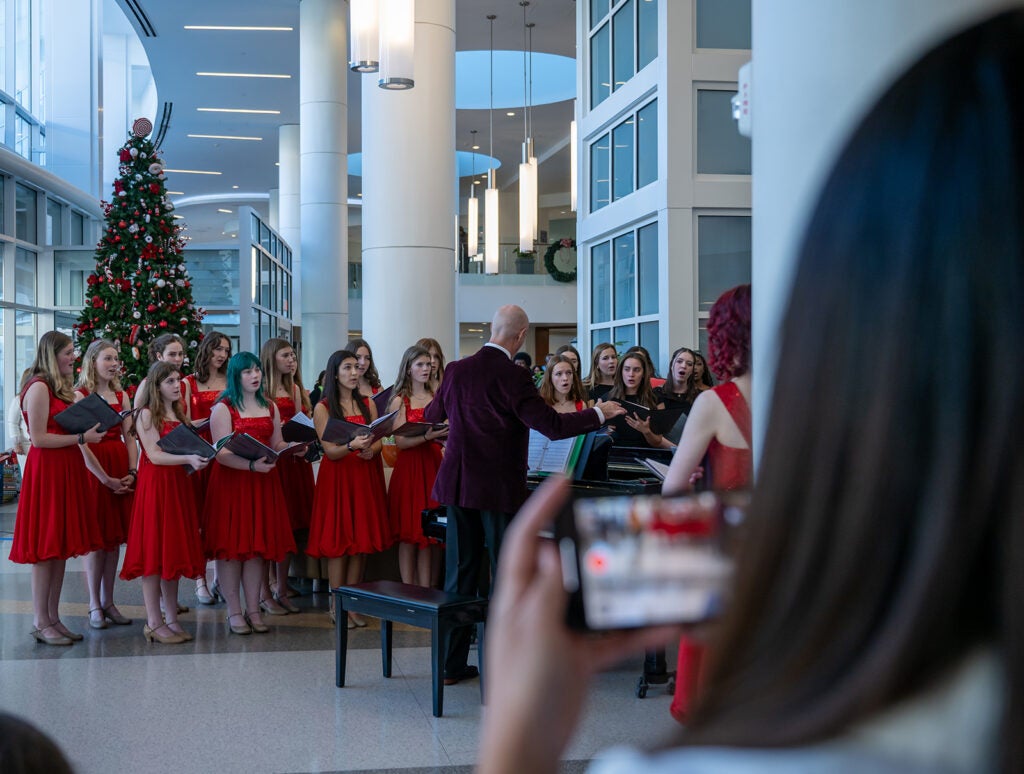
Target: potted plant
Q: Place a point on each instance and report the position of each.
(526, 261)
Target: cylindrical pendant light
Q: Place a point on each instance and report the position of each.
(365, 36)
(527, 200)
(397, 37)
(491, 194)
(573, 150)
(473, 206)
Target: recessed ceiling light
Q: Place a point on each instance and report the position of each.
(233, 236)
(192, 171)
(234, 186)
(510, 113)
(237, 29)
(476, 147)
(359, 194)
(239, 110)
(244, 75)
(176, 193)
(178, 217)
(221, 209)
(222, 137)
(277, 163)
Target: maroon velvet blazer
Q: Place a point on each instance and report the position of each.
(490, 404)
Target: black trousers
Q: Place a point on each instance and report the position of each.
(470, 532)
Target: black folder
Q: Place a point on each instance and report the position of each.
(92, 410)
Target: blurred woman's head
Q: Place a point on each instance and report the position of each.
(729, 333)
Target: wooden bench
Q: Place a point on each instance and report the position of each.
(390, 601)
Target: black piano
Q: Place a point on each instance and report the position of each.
(602, 469)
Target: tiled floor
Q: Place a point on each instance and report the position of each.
(263, 703)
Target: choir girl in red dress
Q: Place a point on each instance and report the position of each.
(116, 458)
(369, 379)
(419, 561)
(163, 540)
(349, 504)
(561, 387)
(54, 521)
(284, 385)
(436, 361)
(246, 516)
(169, 347)
(202, 389)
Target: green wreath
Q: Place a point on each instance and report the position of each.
(549, 261)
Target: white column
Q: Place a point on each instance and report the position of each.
(274, 209)
(288, 205)
(817, 68)
(409, 199)
(323, 176)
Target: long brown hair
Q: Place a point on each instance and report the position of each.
(274, 379)
(87, 378)
(331, 392)
(547, 387)
(153, 400)
(162, 342)
(45, 365)
(209, 343)
(688, 390)
(644, 395)
(403, 381)
(371, 375)
(432, 344)
(592, 379)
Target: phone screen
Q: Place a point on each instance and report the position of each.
(640, 561)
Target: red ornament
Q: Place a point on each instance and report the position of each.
(163, 323)
(97, 302)
(122, 224)
(151, 308)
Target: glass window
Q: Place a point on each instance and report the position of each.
(647, 144)
(622, 159)
(24, 213)
(721, 149)
(723, 24)
(601, 282)
(24, 277)
(647, 260)
(624, 337)
(625, 275)
(649, 339)
(71, 270)
(265, 290)
(600, 66)
(3, 229)
(54, 223)
(22, 137)
(23, 53)
(77, 228)
(623, 62)
(24, 340)
(647, 32)
(723, 255)
(598, 10)
(65, 323)
(214, 277)
(599, 336)
(600, 173)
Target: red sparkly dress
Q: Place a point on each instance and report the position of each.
(411, 482)
(164, 535)
(246, 514)
(200, 405)
(296, 476)
(56, 515)
(350, 511)
(113, 510)
(730, 467)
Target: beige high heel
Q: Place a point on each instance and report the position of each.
(152, 635)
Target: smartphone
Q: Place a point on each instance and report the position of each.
(631, 562)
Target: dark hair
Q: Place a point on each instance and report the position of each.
(886, 532)
(645, 395)
(371, 374)
(330, 389)
(432, 344)
(24, 749)
(547, 387)
(651, 370)
(523, 357)
(242, 361)
(705, 371)
(688, 390)
(570, 348)
(151, 398)
(729, 333)
(209, 343)
(162, 342)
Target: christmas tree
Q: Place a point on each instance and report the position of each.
(140, 288)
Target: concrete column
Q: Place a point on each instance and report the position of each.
(817, 68)
(409, 200)
(323, 172)
(274, 209)
(288, 207)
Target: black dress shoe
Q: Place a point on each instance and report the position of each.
(466, 673)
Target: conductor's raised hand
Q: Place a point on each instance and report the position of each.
(538, 670)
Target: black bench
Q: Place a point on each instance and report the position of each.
(390, 601)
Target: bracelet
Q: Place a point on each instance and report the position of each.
(81, 439)
(252, 466)
(133, 472)
(349, 447)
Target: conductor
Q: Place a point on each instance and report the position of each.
(490, 404)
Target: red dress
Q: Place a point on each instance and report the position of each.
(246, 514)
(200, 405)
(56, 514)
(350, 512)
(296, 476)
(114, 511)
(730, 468)
(411, 482)
(164, 535)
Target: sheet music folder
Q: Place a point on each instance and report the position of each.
(571, 456)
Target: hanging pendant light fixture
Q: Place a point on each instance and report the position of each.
(528, 166)
(473, 207)
(491, 194)
(365, 36)
(397, 37)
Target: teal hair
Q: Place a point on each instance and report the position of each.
(241, 361)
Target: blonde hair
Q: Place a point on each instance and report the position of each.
(87, 378)
(273, 379)
(45, 365)
(153, 400)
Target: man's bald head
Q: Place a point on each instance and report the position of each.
(509, 326)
